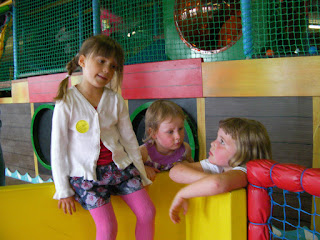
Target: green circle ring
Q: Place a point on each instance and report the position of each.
(34, 136)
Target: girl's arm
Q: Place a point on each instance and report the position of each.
(144, 153)
(208, 186)
(187, 172)
(67, 205)
(59, 151)
(60, 167)
(151, 172)
(128, 139)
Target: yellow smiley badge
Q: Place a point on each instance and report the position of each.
(82, 126)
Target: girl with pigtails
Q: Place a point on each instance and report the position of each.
(94, 151)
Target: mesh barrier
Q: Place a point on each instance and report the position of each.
(137, 26)
(285, 28)
(292, 215)
(48, 33)
(283, 201)
(158, 30)
(6, 51)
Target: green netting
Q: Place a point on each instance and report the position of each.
(6, 52)
(167, 30)
(285, 28)
(48, 33)
(137, 26)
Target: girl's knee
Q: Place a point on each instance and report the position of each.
(148, 213)
(106, 230)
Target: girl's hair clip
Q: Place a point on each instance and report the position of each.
(67, 76)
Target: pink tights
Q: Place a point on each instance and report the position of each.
(142, 206)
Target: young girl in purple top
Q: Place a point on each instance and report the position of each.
(164, 145)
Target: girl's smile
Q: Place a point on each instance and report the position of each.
(97, 70)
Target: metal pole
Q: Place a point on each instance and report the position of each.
(15, 43)
(96, 17)
(246, 28)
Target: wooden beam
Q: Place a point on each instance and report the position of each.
(291, 76)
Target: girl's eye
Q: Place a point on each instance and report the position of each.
(221, 142)
(170, 132)
(114, 66)
(100, 61)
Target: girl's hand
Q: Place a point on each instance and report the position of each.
(151, 172)
(67, 205)
(176, 205)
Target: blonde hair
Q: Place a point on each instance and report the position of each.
(159, 111)
(251, 137)
(98, 45)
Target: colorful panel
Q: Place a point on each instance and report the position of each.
(44, 88)
(168, 79)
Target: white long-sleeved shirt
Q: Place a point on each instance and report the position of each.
(77, 128)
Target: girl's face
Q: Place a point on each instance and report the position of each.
(222, 150)
(169, 136)
(97, 70)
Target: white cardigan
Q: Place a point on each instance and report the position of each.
(75, 148)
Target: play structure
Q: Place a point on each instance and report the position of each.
(246, 58)
(39, 211)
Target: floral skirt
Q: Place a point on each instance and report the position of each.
(110, 181)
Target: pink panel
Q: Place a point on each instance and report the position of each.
(167, 79)
(44, 88)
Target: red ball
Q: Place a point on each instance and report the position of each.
(269, 52)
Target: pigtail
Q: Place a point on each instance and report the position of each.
(63, 86)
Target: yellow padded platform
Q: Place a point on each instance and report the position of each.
(221, 217)
(29, 212)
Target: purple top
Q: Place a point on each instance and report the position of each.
(164, 162)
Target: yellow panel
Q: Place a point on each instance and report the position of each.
(20, 91)
(6, 100)
(201, 114)
(29, 212)
(316, 132)
(162, 192)
(31, 209)
(316, 152)
(297, 76)
(35, 159)
(223, 216)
